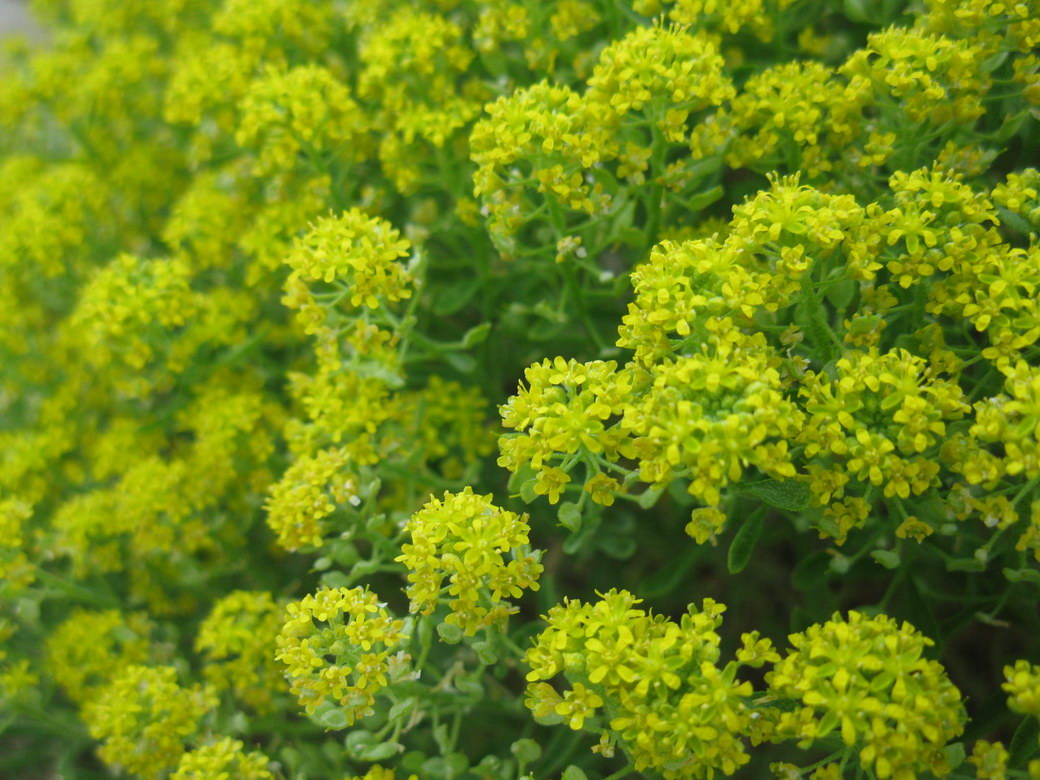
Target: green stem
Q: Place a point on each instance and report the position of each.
(656, 190)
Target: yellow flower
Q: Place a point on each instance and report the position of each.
(1023, 687)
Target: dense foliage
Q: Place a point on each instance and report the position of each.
(406, 388)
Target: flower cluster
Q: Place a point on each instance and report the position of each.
(357, 255)
(568, 409)
(556, 134)
(668, 701)
(754, 15)
(143, 718)
(1023, 687)
(867, 678)
(87, 650)
(664, 74)
(307, 494)
(129, 305)
(15, 570)
(481, 550)
(710, 415)
(351, 627)
(303, 112)
(878, 422)
(225, 758)
(236, 640)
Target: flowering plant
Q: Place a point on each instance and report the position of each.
(406, 389)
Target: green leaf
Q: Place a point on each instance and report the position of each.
(629, 236)
(548, 720)
(343, 552)
(841, 294)
(788, 495)
(744, 542)
(330, 717)
(620, 548)
(569, 516)
(442, 736)
(993, 62)
(379, 752)
(809, 316)
(545, 331)
(840, 564)
(358, 739)
(455, 295)
(370, 369)
(461, 362)
(335, 579)
(527, 494)
(449, 768)
(573, 773)
(457, 763)
(1023, 575)
(704, 199)
(576, 541)
(667, 578)
(649, 496)
(703, 167)
(523, 474)
(887, 558)
(526, 750)
(471, 688)
(811, 570)
(955, 754)
(1014, 221)
(965, 564)
(412, 761)
(449, 633)
(491, 766)
(485, 652)
(1024, 743)
(921, 614)
(476, 335)
(401, 708)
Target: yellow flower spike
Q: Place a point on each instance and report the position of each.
(269, 26)
(15, 569)
(125, 301)
(990, 760)
(880, 422)
(564, 409)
